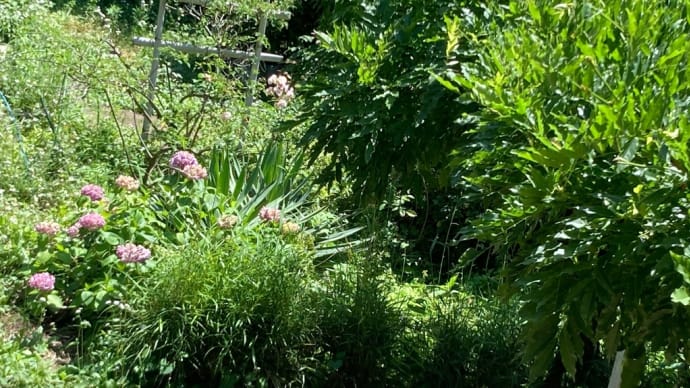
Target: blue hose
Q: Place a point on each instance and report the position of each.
(17, 133)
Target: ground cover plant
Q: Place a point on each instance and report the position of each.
(459, 194)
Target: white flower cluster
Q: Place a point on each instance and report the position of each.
(280, 88)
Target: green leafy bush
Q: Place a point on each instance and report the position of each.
(82, 253)
(14, 13)
(371, 105)
(582, 151)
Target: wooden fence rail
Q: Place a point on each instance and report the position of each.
(157, 42)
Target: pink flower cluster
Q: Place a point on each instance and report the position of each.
(94, 192)
(182, 159)
(43, 281)
(279, 87)
(188, 165)
(47, 228)
(127, 183)
(194, 172)
(269, 214)
(91, 221)
(73, 231)
(132, 253)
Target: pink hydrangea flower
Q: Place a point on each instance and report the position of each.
(269, 214)
(127, 183)
(92, 221)
(43, 281)
(194, 171)
(94, 192)
(182, 159)
(132, 253)
(73, 231)
(47, 228)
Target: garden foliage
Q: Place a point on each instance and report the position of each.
(582, 145)
(546, 139)
(370, 102)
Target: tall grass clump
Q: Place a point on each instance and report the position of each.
(232, 312)
(361, 329)
(472, 342)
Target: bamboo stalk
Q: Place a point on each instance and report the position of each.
(153, 74)
(254, 73)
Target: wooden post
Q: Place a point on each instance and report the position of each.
(153, 74)
(254, 73)
(617, 371)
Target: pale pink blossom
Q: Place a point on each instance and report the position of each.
(269, 214)
(280, 88)
(47, 228)
(73, 231)
(132, 253)
(43, 281)
(94, 192)
(127, 183)
(195, 171)
(92, 221)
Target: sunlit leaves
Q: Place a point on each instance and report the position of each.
(584, 137)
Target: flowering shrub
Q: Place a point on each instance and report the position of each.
(89, 257)
(102, 237)
(94, 192)
(43, 281)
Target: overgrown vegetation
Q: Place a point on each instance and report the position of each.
(458, 194)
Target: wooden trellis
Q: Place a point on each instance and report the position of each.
(257, 55)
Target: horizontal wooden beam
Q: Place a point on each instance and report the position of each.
(205, 50)
(278, 14)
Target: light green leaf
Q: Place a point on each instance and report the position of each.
(111, 238)
(54, 301)
(681, 295)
